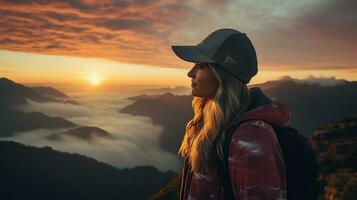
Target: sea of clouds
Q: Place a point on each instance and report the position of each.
(135, 140)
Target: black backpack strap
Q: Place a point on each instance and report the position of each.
(185, 179)
(224, 164)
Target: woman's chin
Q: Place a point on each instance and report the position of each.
(194, 93)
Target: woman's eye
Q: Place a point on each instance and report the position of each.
(200, 66)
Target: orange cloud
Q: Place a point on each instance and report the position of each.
(318, 36)
(134, 31)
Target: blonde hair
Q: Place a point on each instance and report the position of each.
(202, 144)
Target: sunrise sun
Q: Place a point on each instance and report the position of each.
(95, 80)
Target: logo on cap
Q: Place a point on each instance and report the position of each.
(229, 60)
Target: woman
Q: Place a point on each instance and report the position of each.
(225, 61)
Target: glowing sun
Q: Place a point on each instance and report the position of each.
(95, 80)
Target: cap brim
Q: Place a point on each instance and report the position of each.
(191, 54)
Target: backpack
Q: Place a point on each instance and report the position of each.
(300, 163)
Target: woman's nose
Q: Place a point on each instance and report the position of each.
(192, 73)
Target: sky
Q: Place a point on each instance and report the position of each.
(129, 42)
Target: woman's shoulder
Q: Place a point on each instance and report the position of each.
(253, 126)
(256, 132)
(253, 139)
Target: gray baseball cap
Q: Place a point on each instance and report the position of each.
(229, 48)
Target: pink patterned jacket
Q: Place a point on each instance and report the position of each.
(256, 163)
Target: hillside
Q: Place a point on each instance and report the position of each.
(85, 133)
(42, 173)
(336, 147)
(13, 94)
(14, 121)
(50, 92)
(170, 111)
(314, 105)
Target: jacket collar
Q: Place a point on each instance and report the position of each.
(263, 108)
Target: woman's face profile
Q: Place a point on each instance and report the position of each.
(204, 83)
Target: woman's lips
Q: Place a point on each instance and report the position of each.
(193, 84)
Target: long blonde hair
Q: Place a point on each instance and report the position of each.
(203, 141)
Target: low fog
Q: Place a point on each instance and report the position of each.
(134, 139)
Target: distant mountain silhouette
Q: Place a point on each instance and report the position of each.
(145, 96)
(335, 145)
(55, 94)
(42, 173)
(50, 92)
(14, 94)
(312, 106)
(85, 133)
(13, 121)
(170, 111)
(180, 90)
(311, 80)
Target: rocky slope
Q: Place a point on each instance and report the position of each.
(335, 145)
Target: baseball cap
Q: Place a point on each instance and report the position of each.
(230, 49)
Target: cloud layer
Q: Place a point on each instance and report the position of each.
(135, 140)
(128, 31)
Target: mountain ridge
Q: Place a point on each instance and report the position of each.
(312, 106)
(43, 173)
